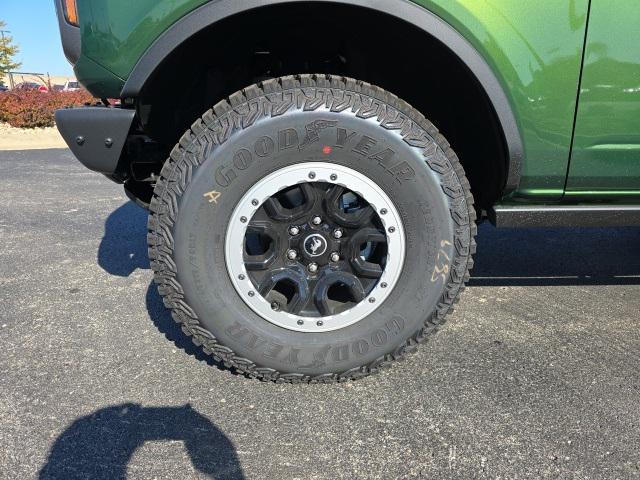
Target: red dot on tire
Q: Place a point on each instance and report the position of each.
(326, 150)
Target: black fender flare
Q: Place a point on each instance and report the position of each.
(214, 11)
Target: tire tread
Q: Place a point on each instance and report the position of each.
(275, 97)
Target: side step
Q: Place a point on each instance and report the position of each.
(565, 216)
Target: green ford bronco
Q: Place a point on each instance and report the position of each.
(314, 171)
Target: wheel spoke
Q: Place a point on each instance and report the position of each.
(291, 204)
(347, 208)
(262, 244)
(287, 287)
(337, 291)
(368, 263)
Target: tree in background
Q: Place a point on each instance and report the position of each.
(7, 51)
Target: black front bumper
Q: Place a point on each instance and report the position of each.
(96, 135)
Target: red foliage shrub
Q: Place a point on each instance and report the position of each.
(32, 109)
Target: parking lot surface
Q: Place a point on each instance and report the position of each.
(535, 375)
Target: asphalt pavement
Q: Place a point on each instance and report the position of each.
(536, 375)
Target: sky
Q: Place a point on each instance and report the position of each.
(34, 28)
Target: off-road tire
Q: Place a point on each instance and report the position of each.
(447, 249)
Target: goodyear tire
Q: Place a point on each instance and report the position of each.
(311, 228)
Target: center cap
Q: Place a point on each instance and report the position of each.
(315, 245)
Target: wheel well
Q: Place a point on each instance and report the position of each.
(333, 38)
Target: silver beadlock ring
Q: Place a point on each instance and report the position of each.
(288, 177)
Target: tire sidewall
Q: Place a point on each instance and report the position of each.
(201, 228)
(203, 180)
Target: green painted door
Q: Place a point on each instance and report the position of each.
(606, 151)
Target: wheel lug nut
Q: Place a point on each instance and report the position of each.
(313, 267)
(337, 233)
(335, 257)
(275, 306)
(316, 220)
(333, 177)
(312, 175)
(383, 211)
(319, 323)
(292, 254)
(372, 300)
(300, 322)
(255, 202)
(384, 285)
(392, 229)
(294, 231)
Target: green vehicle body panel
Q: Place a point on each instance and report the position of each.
(97, 79)
(116, 33)
(606, 150)
(534, 48)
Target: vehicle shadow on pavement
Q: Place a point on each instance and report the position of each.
(123, 248)
(122, 251)
(556, 257)
(102, 444)
(505, 257)
(161, 318)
